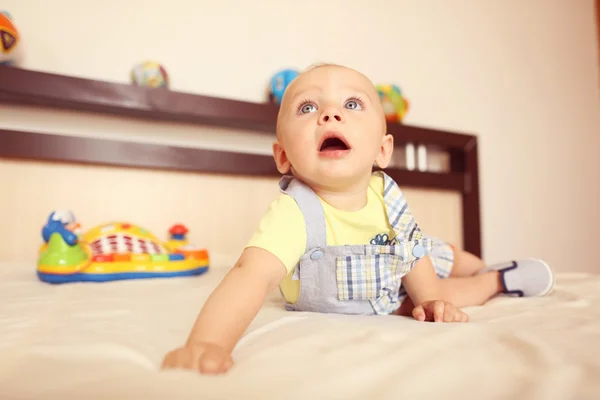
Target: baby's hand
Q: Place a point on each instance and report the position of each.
(205, 357)
(439, 311)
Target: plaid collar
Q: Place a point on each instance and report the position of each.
(398, 212)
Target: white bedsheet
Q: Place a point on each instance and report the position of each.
(92, 341)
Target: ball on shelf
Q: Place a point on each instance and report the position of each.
(9, 39)
(395, 105)
(150, 74)
(279, 82)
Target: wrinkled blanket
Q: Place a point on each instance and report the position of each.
(92, 341)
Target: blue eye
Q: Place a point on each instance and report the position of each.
(353, 105)
(307, 108)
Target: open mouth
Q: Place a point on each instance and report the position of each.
(332, 144)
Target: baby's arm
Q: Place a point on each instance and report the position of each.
(228, 312)
(423, 287)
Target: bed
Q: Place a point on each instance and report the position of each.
(107, 340)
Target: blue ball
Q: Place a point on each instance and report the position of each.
(280, 81)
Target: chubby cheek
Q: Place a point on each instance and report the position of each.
(375, 135)
(299, 147)
(366, 137)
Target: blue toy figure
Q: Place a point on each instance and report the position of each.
(63, 223)
(279, 82)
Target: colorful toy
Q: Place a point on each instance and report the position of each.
(9, 39)
(150, 74)
(178, 239)
(279, 82)
(395, 105)
(113, 251)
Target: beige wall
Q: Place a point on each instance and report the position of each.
(523, 75)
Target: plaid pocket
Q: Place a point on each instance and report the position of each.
(368, 276)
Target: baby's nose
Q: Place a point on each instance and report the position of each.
(330, 115)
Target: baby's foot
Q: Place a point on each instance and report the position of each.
(529, 277)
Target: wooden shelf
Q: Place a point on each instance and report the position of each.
(117, 153)
(34, 88)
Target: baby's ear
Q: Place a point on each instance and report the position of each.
(281, 160)
(385, 151)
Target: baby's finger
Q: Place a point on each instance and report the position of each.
(450, 313)
(464, 317)
(458, 315)
(438, 311)
(227, 364)
(166, 363)
(418, 313)
(211, 363)
(172, 360)
(184, 359)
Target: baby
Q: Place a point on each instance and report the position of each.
(340, 238)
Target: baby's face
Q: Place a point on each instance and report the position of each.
(331, 127)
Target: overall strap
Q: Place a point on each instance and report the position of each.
(399, 215)
(311, 208)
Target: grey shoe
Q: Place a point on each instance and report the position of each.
(530, 277)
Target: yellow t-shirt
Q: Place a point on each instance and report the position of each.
(282, 230)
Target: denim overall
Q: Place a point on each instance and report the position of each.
(358, 279)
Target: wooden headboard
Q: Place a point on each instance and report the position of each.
(220, 194)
